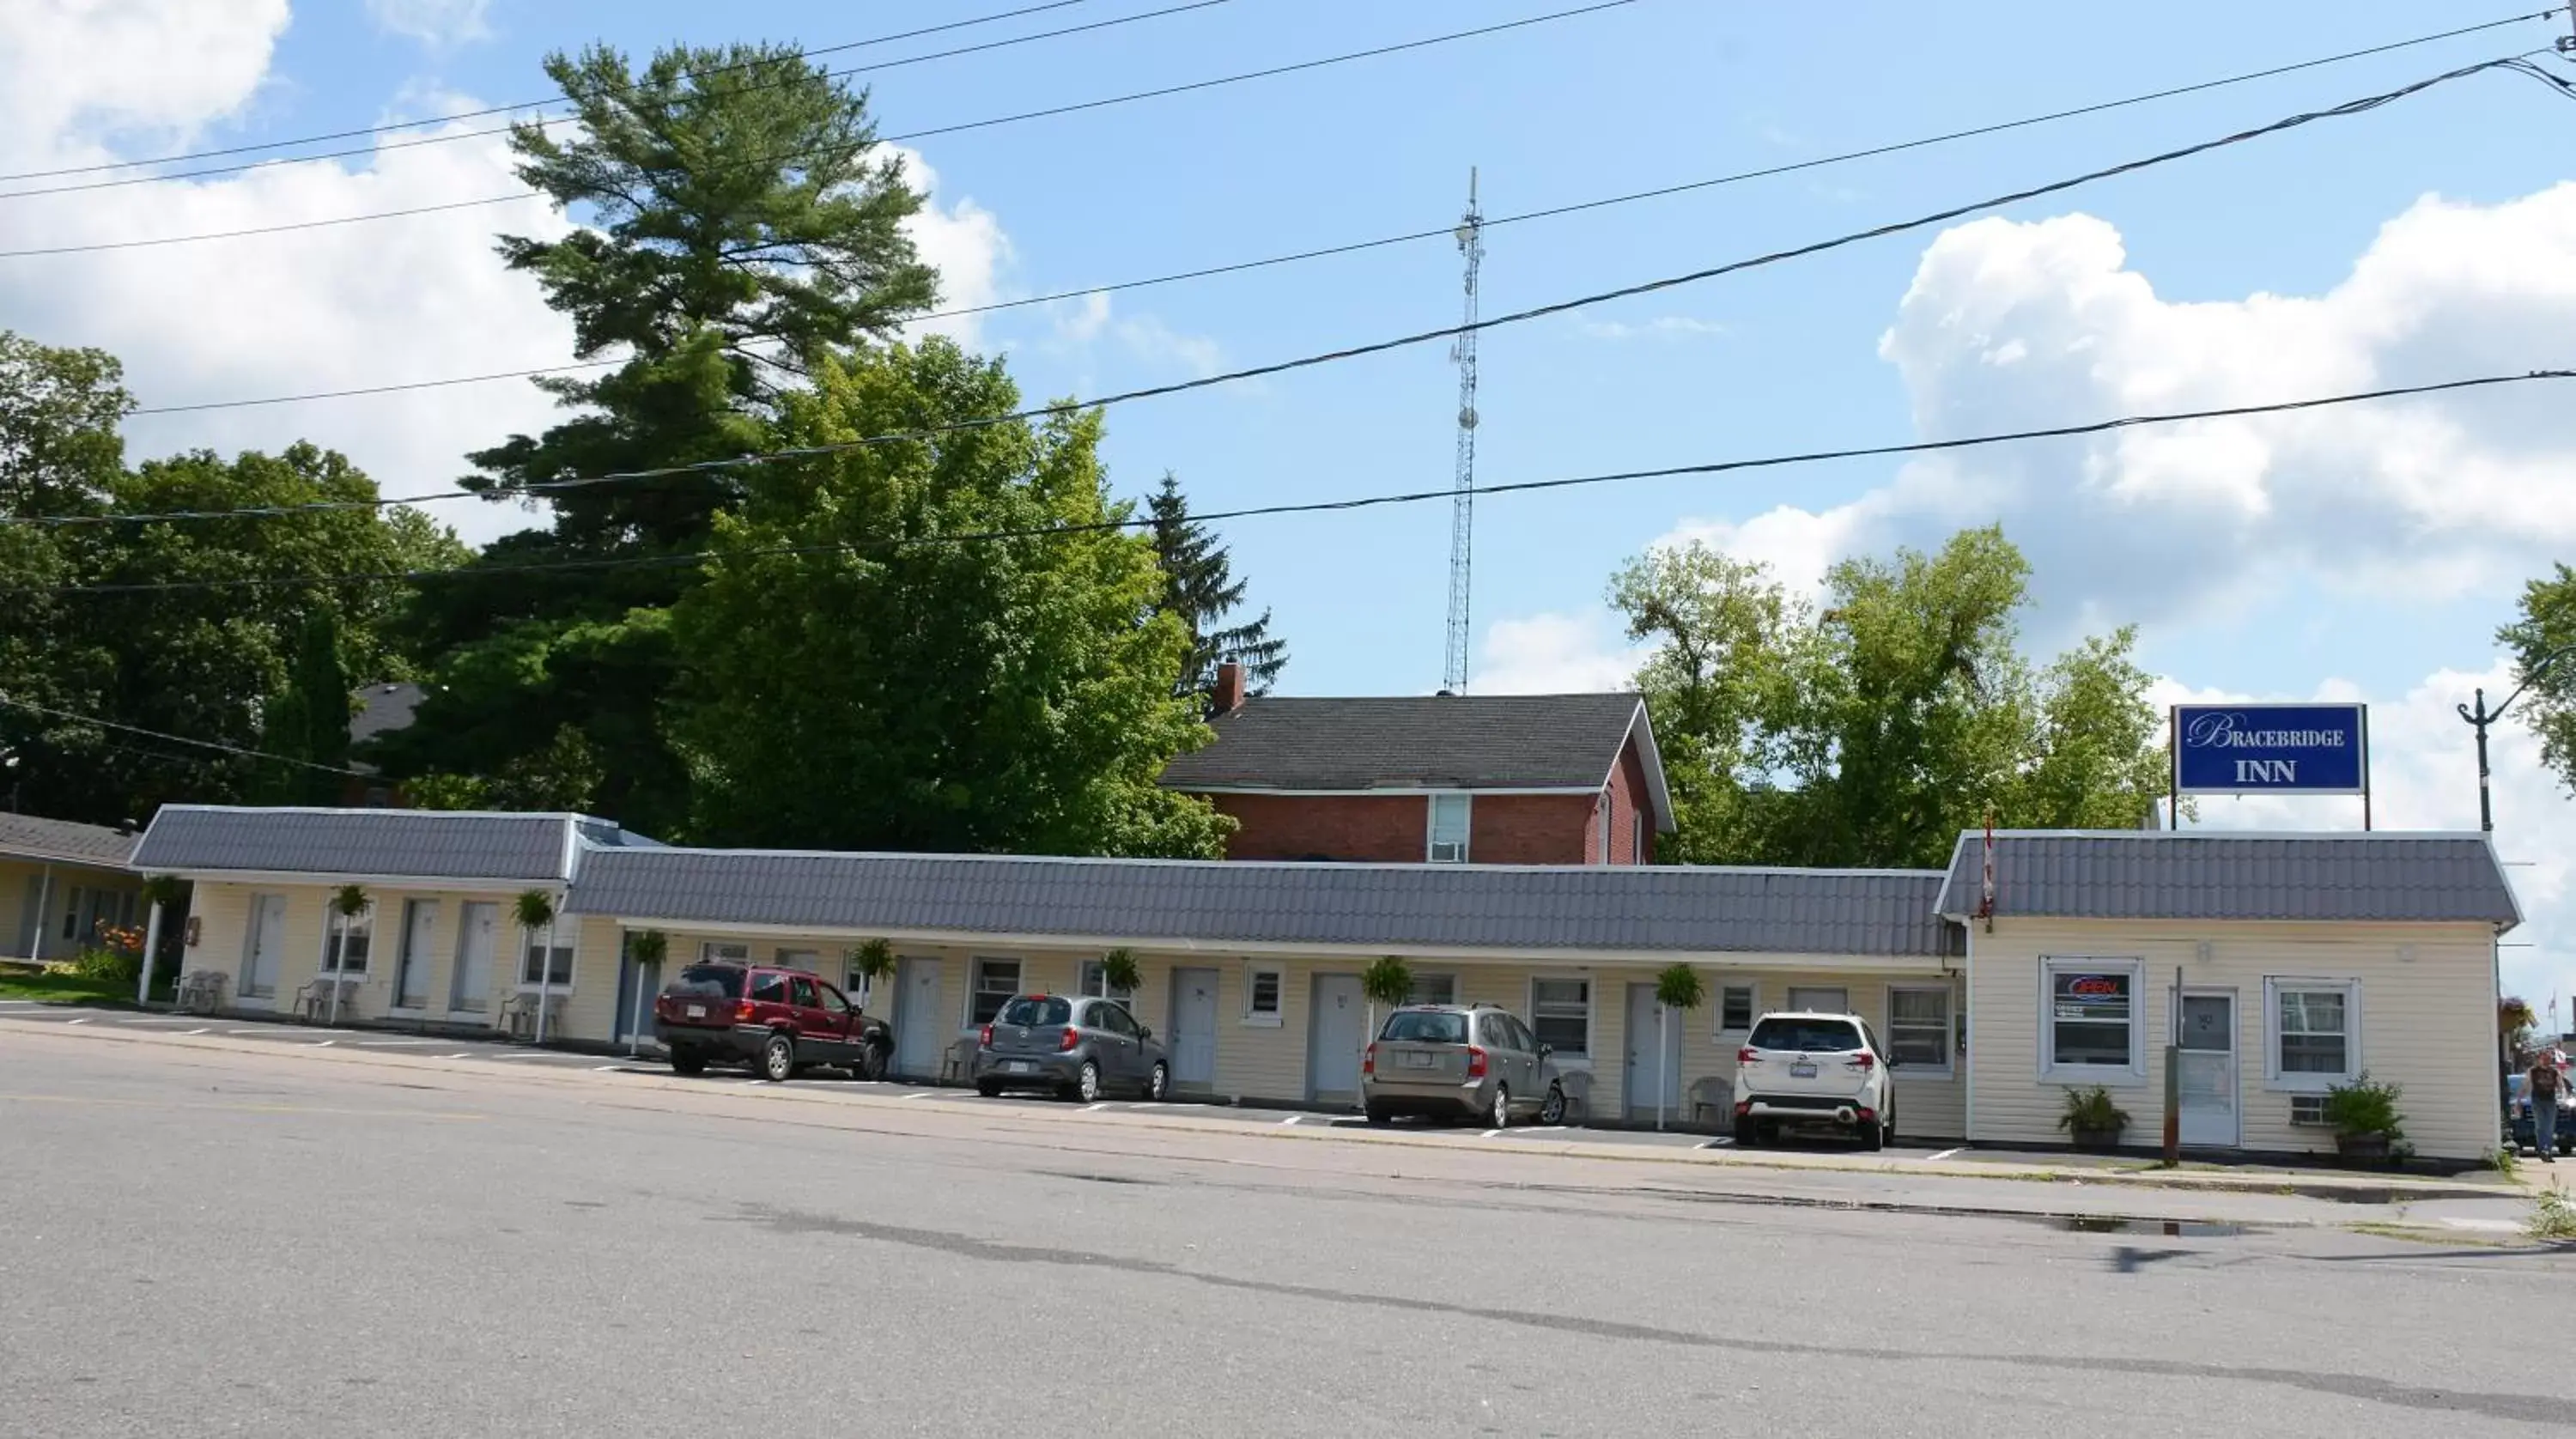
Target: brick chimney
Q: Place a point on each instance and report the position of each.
(1228, 695)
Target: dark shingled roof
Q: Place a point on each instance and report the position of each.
(27, 837)
(1467, 742)
(361, 843)
(1601, 908)
(2150, 874)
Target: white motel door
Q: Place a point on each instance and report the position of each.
(2205, 1070)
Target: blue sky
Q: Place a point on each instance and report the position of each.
(2369, 556)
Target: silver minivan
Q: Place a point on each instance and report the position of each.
(1459, 1061)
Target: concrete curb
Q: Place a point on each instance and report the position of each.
(2357, 1192)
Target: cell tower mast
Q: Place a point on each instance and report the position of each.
(1462, 525)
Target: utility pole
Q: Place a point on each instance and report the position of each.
(2479, 719)
(2567, 42)
(1462, 523)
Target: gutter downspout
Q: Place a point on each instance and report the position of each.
(44, 914)
(151, 948)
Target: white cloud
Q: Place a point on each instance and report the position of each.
(2013, 325)
(965, 242)
(1079, 325)
(1554, 654)
(1660, 327)
(439, 24)
(417, 298)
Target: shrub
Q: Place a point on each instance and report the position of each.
(2091, 1111)
(2366, 1106)
(118, 966)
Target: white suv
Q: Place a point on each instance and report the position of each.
(1814, 1069)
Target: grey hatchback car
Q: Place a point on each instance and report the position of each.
(1459, 1061)
(1071, 1045)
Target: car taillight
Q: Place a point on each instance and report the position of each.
(1475, 1062)
(1864, 1060)
(1368, 1060)
(1072, 1037)
(744, 1011)
(984, 1036)
(1748, 1055)
(1866, 1114)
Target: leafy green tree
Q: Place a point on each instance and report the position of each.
(2543, 642)
(1200, 590)
(1874, 730)
(310, 720)
(740, 221)
(862, 674)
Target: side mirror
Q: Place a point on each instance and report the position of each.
(1545, 1050)
(1146, 1030)
(1894, 1063)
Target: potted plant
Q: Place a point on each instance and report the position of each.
(1118, 971)
(2091, 1120)
(871, 962)
(1678, 987)
(2366, 1120)
(1388, 982)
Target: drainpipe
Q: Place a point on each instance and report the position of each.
(151, 947)
(44, 913)
(545, 976)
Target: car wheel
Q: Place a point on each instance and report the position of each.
(1086, 1083)
(872, 1062)
(1552, 1109)
(988, 1089)
(1378, 1116)
(690, 1064)
(778, 1059)
(1767, 1130)
(1744, 1134)
(1158, 1082)
(1502, 1115)
(1874, 1137)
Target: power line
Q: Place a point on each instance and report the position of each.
(1323, 252)
(1938, 217)
(937, 130)
(1363, 502)
(181, 739)
(491, 110)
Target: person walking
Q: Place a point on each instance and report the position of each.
(2541, 1086)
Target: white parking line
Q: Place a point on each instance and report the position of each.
(391, 1043)
(186, 1032)
(605, 1068)
(321, 1043)
(1294, 1119)
(524, 1055)
(1490, 1133)
(1944, 1154)
(921, 1094)
(1095, 1108)
(84, 1019)
(456, 1056)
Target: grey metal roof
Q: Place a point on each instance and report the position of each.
(359, 843)
(1427, 741)
(28, 837)
(2145, 874)
(1596, 909)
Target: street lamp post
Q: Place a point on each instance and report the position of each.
(2479, 719)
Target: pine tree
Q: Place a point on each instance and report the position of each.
(310, 720)
(1199, 587)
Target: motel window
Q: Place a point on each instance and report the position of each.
(716, 951)
(345, 950)
(1433, 989)
(1261, 994)
(2089, 1018)
(1820, 1001)
(2311, 1032)
(1095, 982)
(808, 960)
(1448, 829)
(71, 916)
(996, 980)
(533, 964)
(1561, 1015)
(1736, 1007)
(1918, 1028)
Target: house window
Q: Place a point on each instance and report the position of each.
(1561, 1015)
(716, 951)
(2311, 1032)
(1433, 989)
(1820, 1001)
(1918, 1027)
(1601, 820)
(344, 950)
(71, 916)
(533, 964)
(1095, 982)
(2091, 1026)
(1261, 995)
(808, 960)
(1736, 1008)
(1448, 829)
(996, 980)
(1637, 837)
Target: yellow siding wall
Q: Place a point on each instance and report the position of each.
(2427, 1023)
(15, 878)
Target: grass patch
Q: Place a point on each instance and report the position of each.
(21, 983)
(2415, 1235)
(2553, 1217)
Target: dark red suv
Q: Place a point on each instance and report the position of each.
(776, 1021)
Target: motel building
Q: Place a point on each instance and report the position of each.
(2286, 963)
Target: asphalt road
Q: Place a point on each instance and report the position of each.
(260, 1241)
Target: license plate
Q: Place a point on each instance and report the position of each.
(1019, 1066)
(697, 1011)
(1417, 1061)
(1802, 1069)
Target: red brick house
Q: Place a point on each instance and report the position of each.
(1438, 779)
